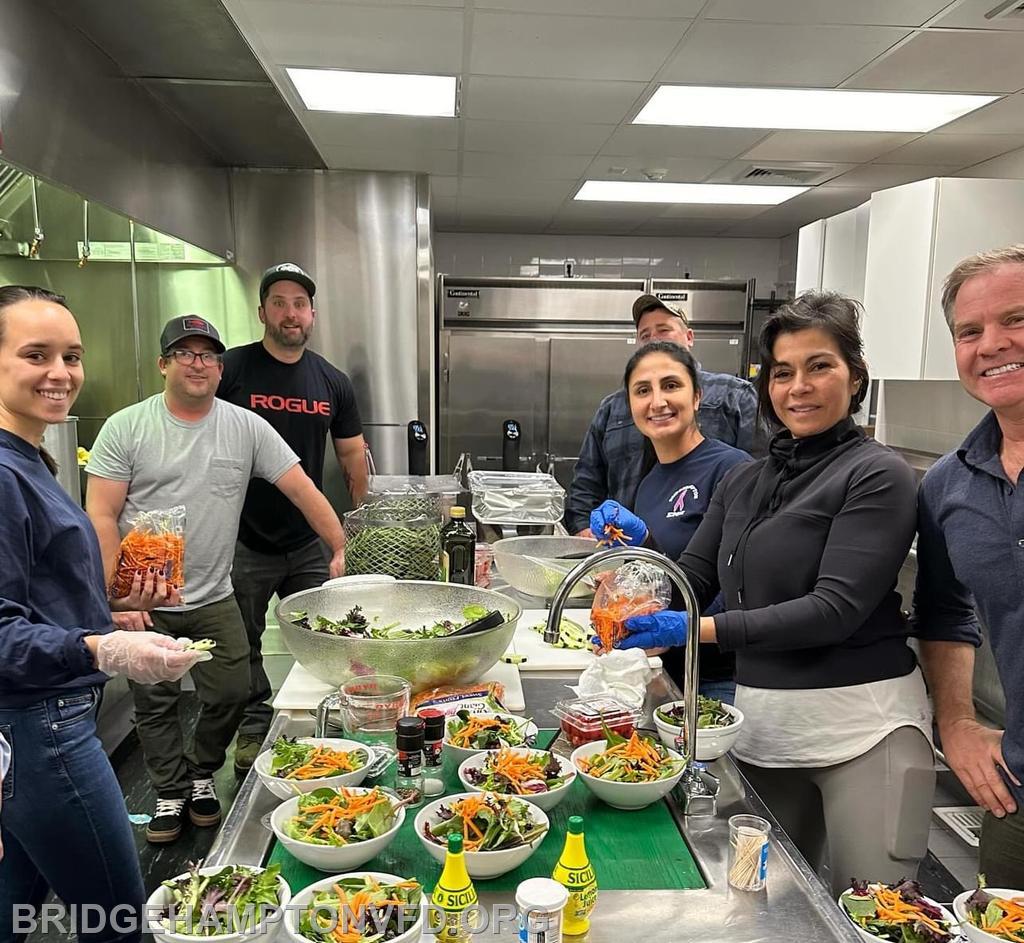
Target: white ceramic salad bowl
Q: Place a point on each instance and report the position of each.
(543, 800)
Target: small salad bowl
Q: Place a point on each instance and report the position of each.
(546, 800)
(304, 898)
(954, 930)
(481, 865)
(528, 727)
(266, 929)
(973, 933)
(286, 788)
(334, 857)
(712, 742)
(624, 795)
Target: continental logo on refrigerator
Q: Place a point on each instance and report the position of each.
(290, 404)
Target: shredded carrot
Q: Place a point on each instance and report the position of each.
(144, 550)
(609, 621)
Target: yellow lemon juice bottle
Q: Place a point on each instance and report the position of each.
(453, 894)
(576, 874)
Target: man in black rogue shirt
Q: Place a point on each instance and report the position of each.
(305, 398)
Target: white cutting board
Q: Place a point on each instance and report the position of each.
(543, 657)
(301, 691)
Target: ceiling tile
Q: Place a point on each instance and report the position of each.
(536, 191)
(681, 227)
(677, 169)
(665, 9)
(817, 203)
(520, 99)
(381, 131)
(1005, 116)
(444, 211)
(761, 229)
(571, 47)
(949, 61)
(485, 222)
(852, 147)
(1007, 166)
(955, 150)
(608, 225)
(970, 14)
(359, 158)
(524, 166)
(595, 209)
(647, 140)
(863, 12)
(718, 52)
(443, 188)
(717, 211)
(881, 176)
(518, 137)
(373, 38)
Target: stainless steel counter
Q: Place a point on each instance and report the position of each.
(794, 907)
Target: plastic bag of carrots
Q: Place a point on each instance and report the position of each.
(156, 541)
(634, 589)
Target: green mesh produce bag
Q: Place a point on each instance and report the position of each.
(399, 536)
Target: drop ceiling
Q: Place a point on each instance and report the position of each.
(549, 87)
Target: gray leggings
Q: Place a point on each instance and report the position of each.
(865, 818)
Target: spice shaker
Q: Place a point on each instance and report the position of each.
(409, 777)
(433, 741)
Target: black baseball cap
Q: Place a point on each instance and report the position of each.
(286, 271)
(189, 325)
(646, 303)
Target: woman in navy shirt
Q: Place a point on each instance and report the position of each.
(63, 821)
(682, 471)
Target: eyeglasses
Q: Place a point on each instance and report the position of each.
(188, 357)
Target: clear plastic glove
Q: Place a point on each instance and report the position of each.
(665, 629)
(612, 514)
(145, 657)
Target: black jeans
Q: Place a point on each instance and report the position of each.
(222, 685)
(257, 577)
(64, 824)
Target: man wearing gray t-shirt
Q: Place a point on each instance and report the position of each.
(184, 447)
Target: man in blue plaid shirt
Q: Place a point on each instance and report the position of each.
(611, 458)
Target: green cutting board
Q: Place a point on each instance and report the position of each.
(630, 850)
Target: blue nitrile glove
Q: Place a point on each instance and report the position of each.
(634, 530)
(665, 629)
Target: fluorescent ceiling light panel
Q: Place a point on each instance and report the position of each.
(375, 93)
(625, 191)
(805, 109)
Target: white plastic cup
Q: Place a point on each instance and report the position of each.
(540, 902)
(748, 852)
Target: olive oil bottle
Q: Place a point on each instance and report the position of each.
(576, 874)
(452, 896)
(458, 549)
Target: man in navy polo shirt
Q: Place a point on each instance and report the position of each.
(970, 553)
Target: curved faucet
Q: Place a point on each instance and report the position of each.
(694, 788)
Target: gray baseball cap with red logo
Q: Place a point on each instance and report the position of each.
(189, 325)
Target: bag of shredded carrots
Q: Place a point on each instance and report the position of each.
(157, 541)
(634, 589)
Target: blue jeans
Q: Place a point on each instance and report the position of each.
(723, 690)
(64, 823)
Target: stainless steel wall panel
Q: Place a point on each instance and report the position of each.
(365, 240)
(718, 351)
(68, 114)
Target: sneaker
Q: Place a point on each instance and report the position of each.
(166, 825)
(247, 748)
(204, 807)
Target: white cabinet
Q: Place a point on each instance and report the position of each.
(832, 253)
(917, 233)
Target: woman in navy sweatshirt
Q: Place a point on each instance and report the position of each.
(681, 469)
(63, 821)
(806, 546)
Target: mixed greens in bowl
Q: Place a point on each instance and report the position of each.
(898, 913)
(468, 733)
(297, 765)
(718, 726)
(537, 776)
(987, 914)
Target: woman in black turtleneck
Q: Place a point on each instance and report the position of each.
(806, 546)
